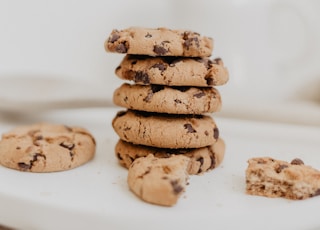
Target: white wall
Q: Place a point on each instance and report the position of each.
(265, 44)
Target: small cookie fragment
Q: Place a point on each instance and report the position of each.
(45, 147)
(201, 159)
(159, 42)
(166, 99)
(159, 181)
(269, 177)
(173, 71)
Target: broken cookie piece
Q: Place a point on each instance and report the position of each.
(275, 178)
(159, 181)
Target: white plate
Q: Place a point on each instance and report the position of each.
(96, 196)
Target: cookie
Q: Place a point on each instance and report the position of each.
(165, 99)
(165, 130)
(159, 42)
(173, 71)
(159, 181)
(275, 178)
(45, 147)
(201, 159)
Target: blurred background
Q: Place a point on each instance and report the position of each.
(52, 53)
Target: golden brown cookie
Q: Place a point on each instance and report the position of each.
(45, 147)
(166, 130)
(173, 71)
(201, 159)
(159, 181)
(165, 99)
(159, 42)
(269, 177)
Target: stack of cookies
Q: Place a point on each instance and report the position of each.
(169, 105)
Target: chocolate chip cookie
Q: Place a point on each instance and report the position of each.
(201, 159)
(269, 177)
(173, 71)
(45, 147)
(165, 130)
(159, 181)
(159, 42)
(166, 99)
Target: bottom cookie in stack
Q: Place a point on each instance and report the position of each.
(201, 159)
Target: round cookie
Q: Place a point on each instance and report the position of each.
(165, 130)
(45, 147)
(159, 42)
(173, 71)
(165, 99)
(201, 159)
(159, 181)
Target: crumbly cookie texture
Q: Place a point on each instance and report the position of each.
(159, 42)
(165, 130)
(173, 71)
(45, 147)
(275, 178)
(159, 181)
(201, 159)
(165, 99)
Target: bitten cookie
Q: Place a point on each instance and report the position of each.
(165, 130)
(159, 42)
(46, 147)
(173, 71)
(165, 99)
(159, 181)
(274, 178)
(201, 159)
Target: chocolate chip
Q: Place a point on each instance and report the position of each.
(297, 161)
(213, 162)
(189, 128)
(121, 48)
(201, 160)
(24, 166)
(119, 156)
(216, 133)
(199, 95)
(206, 133)
(148, 35)
(160, 66)
(189, 39)
(114, 37)
(159, 50)
(177, 101)
(209, 80)
(176, 187)
(67, 145)
(141, 76)
(280, 167)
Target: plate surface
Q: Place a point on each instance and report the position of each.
(96, 196)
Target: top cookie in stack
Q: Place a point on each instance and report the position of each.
(172, 93)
